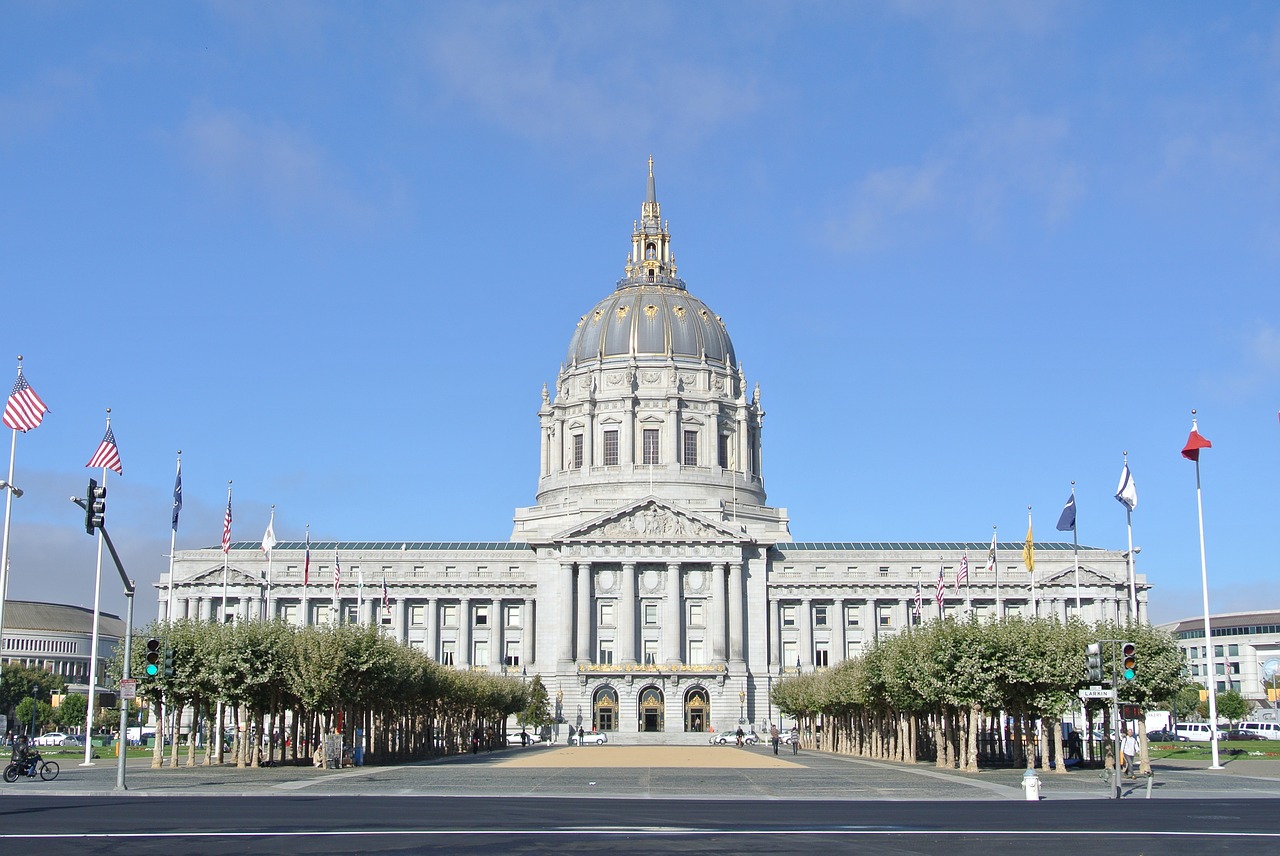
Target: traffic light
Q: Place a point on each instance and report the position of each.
(167, 671)
(153, 658)
(95, 506)
(1093, 661)
(1128, 660)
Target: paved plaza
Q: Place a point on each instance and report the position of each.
(657, 772)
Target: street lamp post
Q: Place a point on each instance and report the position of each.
(742, 707)
(35, 708)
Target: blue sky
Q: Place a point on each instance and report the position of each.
(332, 251)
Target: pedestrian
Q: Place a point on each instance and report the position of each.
(740, 735)
(581, 734)
(1128, 749)
(475, 741)
(773, 737)
(795, 740)
(524, 738)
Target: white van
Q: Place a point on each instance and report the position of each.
(1196, 731)
(1269, 730)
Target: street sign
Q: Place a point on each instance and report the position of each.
(1097, 692)
(128, 688)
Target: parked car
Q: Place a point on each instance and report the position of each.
(73, 740)
(590, 737)
(1241, 734)
(1269, 730)
(1165, 736)
(723, 738)
(514, 739)
(53, 738)
(1197, 731)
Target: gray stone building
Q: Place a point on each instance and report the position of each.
(651, 583)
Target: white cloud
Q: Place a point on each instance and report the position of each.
(583, 73)
(32, 107)
(269, 163)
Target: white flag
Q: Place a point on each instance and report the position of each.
(1126, 492)
(269, 539)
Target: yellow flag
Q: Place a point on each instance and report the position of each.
(1029, 550)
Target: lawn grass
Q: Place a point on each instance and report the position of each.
(1197, 751)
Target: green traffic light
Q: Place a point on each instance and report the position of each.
(1129, 674)
(152, 670)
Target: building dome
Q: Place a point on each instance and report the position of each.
(639, 320)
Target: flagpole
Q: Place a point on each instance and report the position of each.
(1075, 547)
(268, 612)
(995, 569)
(93, 643)
(4, 549)
(226, 554)
(306, 571)
(1208, 633)
(173, 544)
(1031, 570)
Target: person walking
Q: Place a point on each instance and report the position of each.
(1128, 750)
(774, 737)
(740, 735)
(795, 740)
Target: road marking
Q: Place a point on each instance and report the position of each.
(647, 831)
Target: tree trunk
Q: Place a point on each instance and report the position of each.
(1060, 766)
(157, 751)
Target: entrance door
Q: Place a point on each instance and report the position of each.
(651, 705)
(605, 710)
(696, 710)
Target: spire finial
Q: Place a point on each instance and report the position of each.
(653, 193)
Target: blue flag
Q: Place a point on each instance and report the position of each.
(177, 497)
(1067, 522)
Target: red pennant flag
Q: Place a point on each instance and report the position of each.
(1195, 443)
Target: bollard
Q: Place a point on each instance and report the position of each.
(1031, 784)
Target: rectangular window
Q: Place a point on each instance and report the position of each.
(482, 615)
(650, 452)
(852, 615)
(513, 615)
(418, 615)
(789, 656)
(886, 616)
(650, 652)
(349, 613)
(611, 448)
(512, 657)
(697, 655)
(449, 615)
(852, 650)
(884, 571)
(1233, 650)
(691, 448)
(722, 451)
(447, 650)
(577, 451)
(820, 616)
(480, 653)
(288, 613)
(788, 613)
(695, 614)
(606, 653)
(650, 614)
(821, 658)
(606, 613)
(1217, 650)
(321, 614)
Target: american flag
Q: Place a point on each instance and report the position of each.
(919, 600)
(386, 599)
(306, 561)
(24, 410)
(337, 575)
(962, 574)
(107, 456)
(226, 527)
(942, 589)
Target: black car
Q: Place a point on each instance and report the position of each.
(1163, 736)
(1237, 734)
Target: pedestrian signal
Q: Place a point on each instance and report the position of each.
(153, 658)
(168, 662)
(1093, 662)
(1128, 660)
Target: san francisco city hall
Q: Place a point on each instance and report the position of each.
(651, 584)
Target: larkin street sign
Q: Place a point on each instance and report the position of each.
(1097, 692)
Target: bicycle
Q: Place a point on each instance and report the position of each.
(33, 764)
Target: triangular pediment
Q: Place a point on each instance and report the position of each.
(1088, 577)
(235, 577)
(650, 520)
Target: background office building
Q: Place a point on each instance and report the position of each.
(1246, 653)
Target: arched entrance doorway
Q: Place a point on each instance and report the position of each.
(651, 709)
(604, 709)
(697, 709)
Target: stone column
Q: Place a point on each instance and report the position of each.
(670, 453)
(204, 608)
(806, 633)
(627, 441)
(464, 633)
(672, 622)
(588, 441)
(736, 607)
(564, 646)
(717, 618)
(557, 446)
(402, 631)
(838, 641)
(431, 627)
(496, 653)
(583, 624)
(775, 634)
(250, 607)
(527, 650)
(627, 615)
